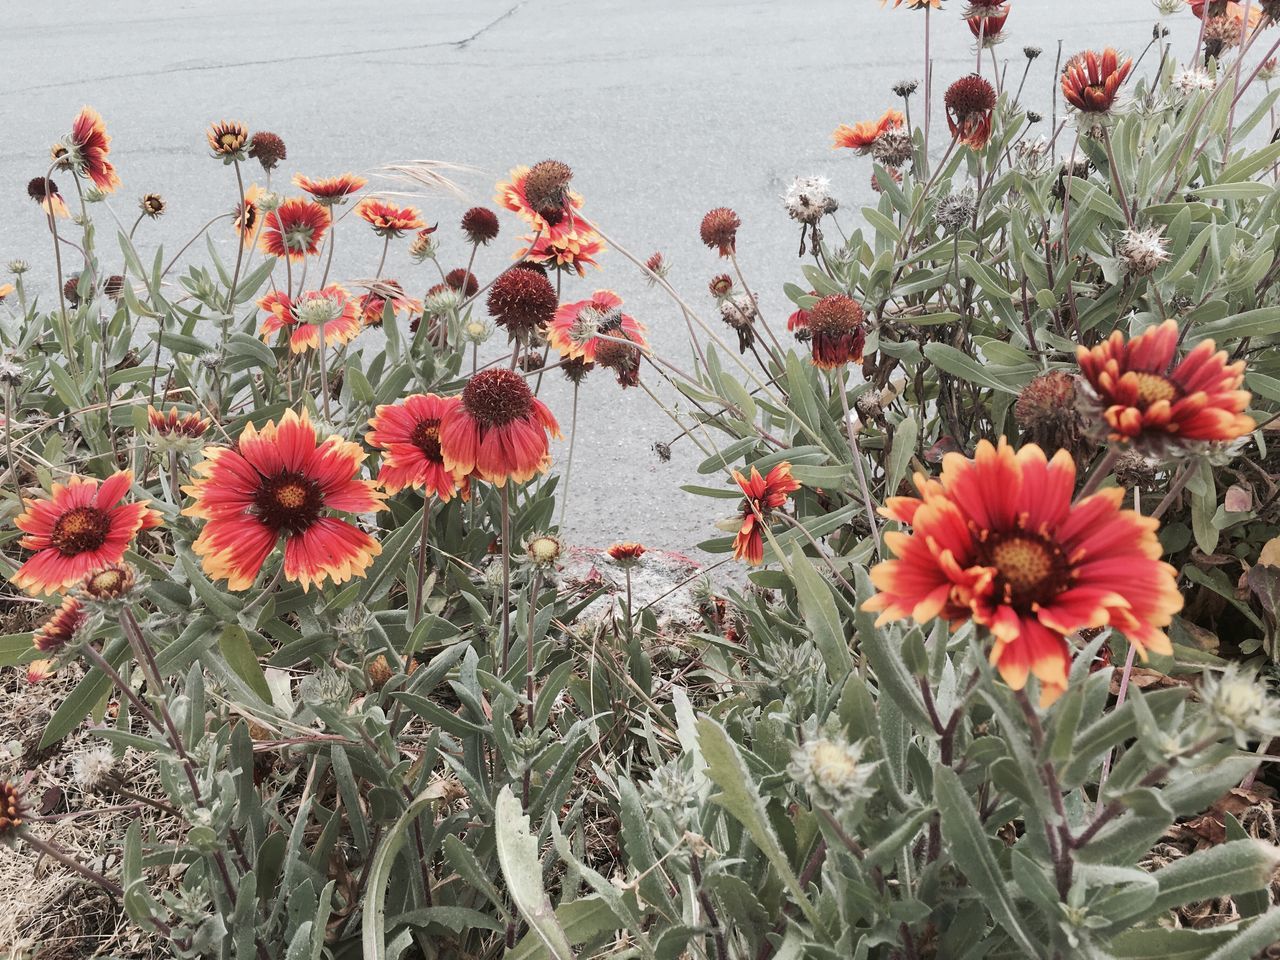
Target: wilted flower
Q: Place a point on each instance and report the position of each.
(1239, 701)
(1188, 82)
(986, 22)
(905, 88)
(1046, 412)
(831, 771)
(1031, 52)
(970, 102)
(268, 149)
(1091, 81)
(719, 230)
(809, 199)
(92, 767)
(739, 312)
(835, 325)
(1031, 154)
(955, 210)
(61, 628)
(894, 147)
(762, 495)
(543, 550)
(1143, 250)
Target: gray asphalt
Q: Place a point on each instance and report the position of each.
(664, 108)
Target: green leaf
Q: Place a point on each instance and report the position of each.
(522, 869)
(1238, 866)
(971, 850)
(818, 610)
(1263, 933)
(740, 798)
(373, 923)
(238, 652)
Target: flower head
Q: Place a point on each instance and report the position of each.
(423, 246)
(986, 21)
(1046, 412)
(762, 495)
(108, 585)
(626, 554)
(1238, 700)
(576, 328)
(1143, 250)
(329, 191)
(89, 146)
(61, 628)
(522, 302)
(13, 810)
(282, 483)
(861, 136)
(247, 214)
(809, 199)
(719, 230)
(176, 431)
(330, 312)
(83, 526)
(93, 766)
(480, 224)
(228, 139)
(1141, 393)
(835, 325)
(268, 149)
(832, 772)
(462, 280)
(1091, 81)
(387, 219)
(540, 195)
(997, 541)
(408, 435)
(499, 431)
(294, 229)
(574, 252)
(45, 192)
(372, 305)
(543, 550)
(970, 102)
(955, 210)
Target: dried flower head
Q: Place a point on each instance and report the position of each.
(1194, 80)
(835, 325)
(905, 88)
(970, 102)
(480, 224)
(656, 267)
(1031, 53)
(1143, 251)
(91, 768)
(1046, 412)
(955, 210)
(894, 147)
(543, 550)
(13, 810)
(268, 149)
(379, 671)
(45, 192)
(809, 199)
(719, 230)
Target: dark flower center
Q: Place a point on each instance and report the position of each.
(426, 437)
(1029, 568)
(546, 187)
(80, 530)
(497, 397)
(289, 503)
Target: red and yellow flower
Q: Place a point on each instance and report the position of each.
(997, 541)
(387, 219)
(45, 192)
(1231, 9)
(574, 252)
(1148, 397)
(540, 195)
(294, 229)
(328, 191)
(499, 430)
(330, 312)
(278, 483)
(862, 135)
(373, 304)
(575, 329)
(1091, 81)
(90, 146)
(248, 216)
(83, 526)
(408, 434)
(627, 553)
(61, 628)
(836, 334)
(762, 496)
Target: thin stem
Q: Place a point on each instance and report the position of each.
(529, 666)
(1179, 483)
(235, 277)
(568, 467)
(1115, 177)
(324, 371)
(1101, 471)
(386, 242)
(422, 562)
(506, 574)
(71, 863)
(858, 469)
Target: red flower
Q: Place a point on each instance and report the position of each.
(986, 20)
(330, 190)
(1092, 80)
(61, 628)
(294, 229)
(228, 139)
(970, 102)
(575, 328)
(462, 280)
(80, 528)
(499, 430)
(763, 496)
(185, 426)
(627, 554)
(1146, 396)
(372, 305)
(862, 135)
(998, 541)
(45, 192)
(331, 310)
(480, 224)
(408, 433)
(541, 196)
(279, 482)
(522, 301)
(387, 219)
(836, 333)
(247, 215)
(719, 230)
(90, 144)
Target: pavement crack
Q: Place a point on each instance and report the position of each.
(279, 61)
